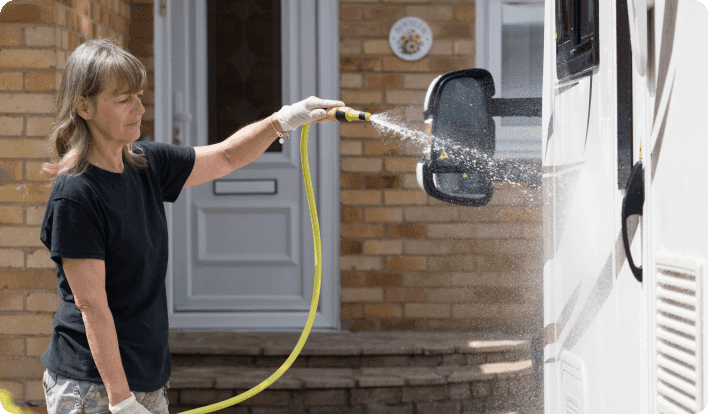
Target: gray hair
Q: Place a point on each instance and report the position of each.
(88, 71)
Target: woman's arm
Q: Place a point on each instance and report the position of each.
(103, 341)
(87, 281)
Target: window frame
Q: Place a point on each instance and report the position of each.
(488, 40)
(576, 57)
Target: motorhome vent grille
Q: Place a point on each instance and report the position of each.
(678, 345)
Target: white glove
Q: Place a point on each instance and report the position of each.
(129, 406)
(304, 112)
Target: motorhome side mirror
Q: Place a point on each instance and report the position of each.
(456, 168)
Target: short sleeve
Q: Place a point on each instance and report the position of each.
(174, 164)
(74, 231)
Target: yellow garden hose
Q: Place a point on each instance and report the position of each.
(341, 114)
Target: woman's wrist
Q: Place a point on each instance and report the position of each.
(276, 124)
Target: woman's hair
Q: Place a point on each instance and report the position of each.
(88, 72)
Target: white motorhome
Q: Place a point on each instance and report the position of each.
(624, 143)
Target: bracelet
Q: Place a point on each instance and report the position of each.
(280, 134)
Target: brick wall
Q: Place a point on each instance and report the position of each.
(36, 37)
(409, 261)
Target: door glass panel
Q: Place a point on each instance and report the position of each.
(243, 44)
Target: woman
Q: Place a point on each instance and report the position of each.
(106, 231)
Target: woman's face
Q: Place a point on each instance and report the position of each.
(116, 117)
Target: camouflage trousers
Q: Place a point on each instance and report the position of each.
(69, 396)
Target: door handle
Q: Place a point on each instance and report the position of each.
(632, 204)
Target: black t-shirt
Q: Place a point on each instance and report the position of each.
(118, 218)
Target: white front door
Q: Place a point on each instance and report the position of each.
(242, 250)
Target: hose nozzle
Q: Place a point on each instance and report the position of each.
(346, 114)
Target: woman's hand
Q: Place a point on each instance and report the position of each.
(310, 110)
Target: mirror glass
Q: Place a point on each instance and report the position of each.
(463, 143)
(463, 130)
(473, 186)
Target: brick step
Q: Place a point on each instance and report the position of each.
(484, 388)
(344, 350)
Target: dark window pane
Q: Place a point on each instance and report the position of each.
(243, 65)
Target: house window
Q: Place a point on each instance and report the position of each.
(243, 48)
(510, 47)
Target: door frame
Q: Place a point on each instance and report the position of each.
(296, 17)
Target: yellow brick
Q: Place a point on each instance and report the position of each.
(35, 214)
(24, 368)
(351, 80)
(359, 262)
(10, 82)
(39, 125)
(350, 294)
(37, 345)
(29, 193)
(383, 214)
(398, 197)
(446, 264)
(20, 236)
(383, 247)
(401, 164)
(357, 130)
(11, 36)
(405, 97)
(11, 125)
(28, 58)
(32, 171)
(415, 81)
(394, 64)
(10, 170)
(451, 231)
(361, 164)
(427, 247)
(377, 47)
(350, 47)
(12, 347)
(360, 197)
(384, 13)
(426, 310)
(12, 258)
(34, 391)
(429, 13)
(350, 147)
(362, 97)
(15, 389)
(464, 13)
(27, 103)
(427, 279)
(383, 311)
(41, 81)
(43, 302)
(451, 295)
(39, 259)
(24, 148)
(431, 214)
(464, 47)
(10, 215)
(406, 263)
(441, 48)
(40, 36)
(26, 325)
(11, 301)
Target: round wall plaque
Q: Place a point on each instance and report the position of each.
(410, 38)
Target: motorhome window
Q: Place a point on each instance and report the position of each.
(577, 42)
